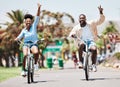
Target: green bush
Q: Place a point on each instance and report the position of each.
(117, 55)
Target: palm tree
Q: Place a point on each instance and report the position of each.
(13, 29)
(55, 22)
(52, 21)
(16, 16)
(54, 27)
(110, 29)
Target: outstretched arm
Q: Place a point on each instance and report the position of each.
(38, 11)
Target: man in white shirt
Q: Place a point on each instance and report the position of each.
(87, 30)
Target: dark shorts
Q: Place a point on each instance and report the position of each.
(30, 45)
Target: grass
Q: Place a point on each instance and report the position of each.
(6, 73)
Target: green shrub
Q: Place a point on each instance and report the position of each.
(117, 55)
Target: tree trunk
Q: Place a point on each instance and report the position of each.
(7, 59)
(1, 64)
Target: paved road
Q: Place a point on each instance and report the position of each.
(68, 77)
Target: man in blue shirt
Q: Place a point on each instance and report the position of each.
(29, 33)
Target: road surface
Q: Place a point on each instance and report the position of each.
(68, 77)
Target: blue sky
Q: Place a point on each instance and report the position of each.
(73, 7)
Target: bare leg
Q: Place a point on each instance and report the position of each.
(24, 62)
(80, 50)
(34, 50)
(36, 57)
(25, 49)
(94, 56)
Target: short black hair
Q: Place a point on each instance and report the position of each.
(28, 16)
(82, 15)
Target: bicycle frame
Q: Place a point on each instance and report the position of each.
(86, 66)
(86, 53)
(29, 65)
(29, 62)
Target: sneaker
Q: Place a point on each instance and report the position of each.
(80, 65)
(94, 68)
(35, 66)
(23, 73)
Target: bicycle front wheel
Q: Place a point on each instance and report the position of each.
(86, 67)
(30, 73)
(32, 70)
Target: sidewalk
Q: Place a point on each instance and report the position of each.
(69, 64)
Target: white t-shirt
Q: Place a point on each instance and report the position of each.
(86, 33)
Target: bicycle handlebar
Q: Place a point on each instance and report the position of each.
(37, 42)
(84, 41)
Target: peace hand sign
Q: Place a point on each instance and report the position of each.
(100, 9)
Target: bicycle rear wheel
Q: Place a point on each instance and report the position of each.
(86, 67)
(32, 70)
(30, 74)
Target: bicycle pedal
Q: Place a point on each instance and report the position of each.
(24, 75)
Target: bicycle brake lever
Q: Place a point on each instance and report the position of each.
(74, 36)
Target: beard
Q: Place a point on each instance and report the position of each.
(82, 23)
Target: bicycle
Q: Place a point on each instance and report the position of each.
(29, 65)
(86, 60)
(86, 65)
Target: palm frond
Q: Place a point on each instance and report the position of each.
(72, 19)
(11, 16)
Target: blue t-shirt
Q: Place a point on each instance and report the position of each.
(30, 35)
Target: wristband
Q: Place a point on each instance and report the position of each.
(101, 12)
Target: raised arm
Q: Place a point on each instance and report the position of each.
(102, 17)
(38, 11)
(100, 9)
